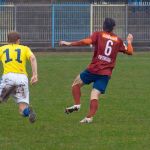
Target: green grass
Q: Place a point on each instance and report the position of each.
(121, 123)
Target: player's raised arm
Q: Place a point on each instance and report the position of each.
(34, 77)
(129, 50)
(82, 42)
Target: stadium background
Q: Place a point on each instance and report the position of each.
(122, 122)
(44, 23)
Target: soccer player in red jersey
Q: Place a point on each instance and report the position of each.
(107, 45)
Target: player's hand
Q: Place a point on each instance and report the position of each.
(130, 38)
(64, 43)
(34, 79)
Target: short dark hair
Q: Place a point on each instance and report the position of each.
(109, 24)
(12, 37)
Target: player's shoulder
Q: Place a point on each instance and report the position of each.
(4, 46)
(24, 47)
(98, 32)
(120, 40)
(118, 37)
(108, 34)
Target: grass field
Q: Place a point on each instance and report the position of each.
(122, 122)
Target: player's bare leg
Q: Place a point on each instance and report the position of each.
(27, 111)
(76, 93)
(93, 106)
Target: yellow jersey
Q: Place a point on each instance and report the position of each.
(13, 57)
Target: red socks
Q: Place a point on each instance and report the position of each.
(93, 108)
(76, 92)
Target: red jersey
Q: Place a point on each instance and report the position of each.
(107, 45)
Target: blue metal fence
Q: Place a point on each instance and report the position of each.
(7, 22)
(70, 22)
(34, 22)
(117, 12)
(45, 25)
(139, 21)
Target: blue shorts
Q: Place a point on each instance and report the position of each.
(99, 81)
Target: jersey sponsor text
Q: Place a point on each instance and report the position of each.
(104, 58)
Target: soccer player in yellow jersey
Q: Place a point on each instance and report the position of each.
(14, 79)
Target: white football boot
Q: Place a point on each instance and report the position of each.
(86, 120)
(73, 108)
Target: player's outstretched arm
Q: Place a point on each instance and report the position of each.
(34, 77)
(129, 47)
(82, 42)
(64, 43)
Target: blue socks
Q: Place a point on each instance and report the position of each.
(26, 112)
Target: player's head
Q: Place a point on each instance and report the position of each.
(13, 37)
(109, 24)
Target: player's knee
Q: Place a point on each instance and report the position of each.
(95, 94)
(77, 81)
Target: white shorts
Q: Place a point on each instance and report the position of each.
(20, 82)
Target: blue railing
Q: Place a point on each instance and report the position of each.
(48, 24)
(70, 22)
